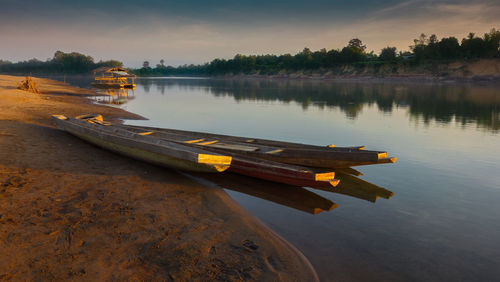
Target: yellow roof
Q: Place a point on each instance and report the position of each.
(118, 71)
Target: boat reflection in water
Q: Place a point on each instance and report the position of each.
(287, 195)
(353, 186)
(115, 96)
(296, 197)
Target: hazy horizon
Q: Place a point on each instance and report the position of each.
(197, 32)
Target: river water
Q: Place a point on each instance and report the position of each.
(443, 221)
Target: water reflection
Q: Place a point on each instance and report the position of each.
(287, 195)
(442, 103)
(356, 187)
(115, 96)
(296, 197)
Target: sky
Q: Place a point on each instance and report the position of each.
(197, 31)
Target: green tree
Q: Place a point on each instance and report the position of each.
(357, 44)
(388, 54)
(473, 47)
(449, 48)
(418, 47)
(73, 62)
(304, 59)
(332, 58)
(492, 43)
(432, 48)
(110, 63)
(353, 52)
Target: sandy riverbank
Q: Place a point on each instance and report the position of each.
(69, 210)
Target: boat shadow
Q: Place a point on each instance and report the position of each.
(295, 197)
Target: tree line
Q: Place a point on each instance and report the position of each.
(67, 63)
(425, 49)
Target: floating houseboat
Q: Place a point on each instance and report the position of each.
(106, 77)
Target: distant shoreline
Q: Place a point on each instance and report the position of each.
(483, 71)
(374, 79)
(482, 79)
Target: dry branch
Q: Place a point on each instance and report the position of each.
(28, 85)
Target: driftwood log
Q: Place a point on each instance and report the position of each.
(28, 85)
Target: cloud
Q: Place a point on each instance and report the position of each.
(397, 25)
(195, 32)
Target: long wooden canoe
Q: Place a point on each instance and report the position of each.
(254, 167)
(145, 148)
(283, 173)
(283, 152)
(247, 140)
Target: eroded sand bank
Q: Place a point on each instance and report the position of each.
(69, 210)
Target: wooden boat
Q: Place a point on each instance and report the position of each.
(287, 195)
(146, 148)
(106, 77)
(268, 170)
(283, 173)
(283, 152)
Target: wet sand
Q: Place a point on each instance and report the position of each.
(69, 210)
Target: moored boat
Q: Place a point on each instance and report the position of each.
(145, 148)
(263, 169)
(283, 173)
(113, 77)
(283, 152)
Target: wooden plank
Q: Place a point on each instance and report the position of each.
(194, 141)
(234, 147)
(274, 151)
(207, 142)
(325, 176)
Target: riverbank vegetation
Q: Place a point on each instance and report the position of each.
(424, 50)
(61, 63)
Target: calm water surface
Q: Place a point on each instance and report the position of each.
(443, 222)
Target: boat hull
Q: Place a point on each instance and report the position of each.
(144, 151)
(321, 159)
(113, 85)
(282, 152)
(292, 175)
